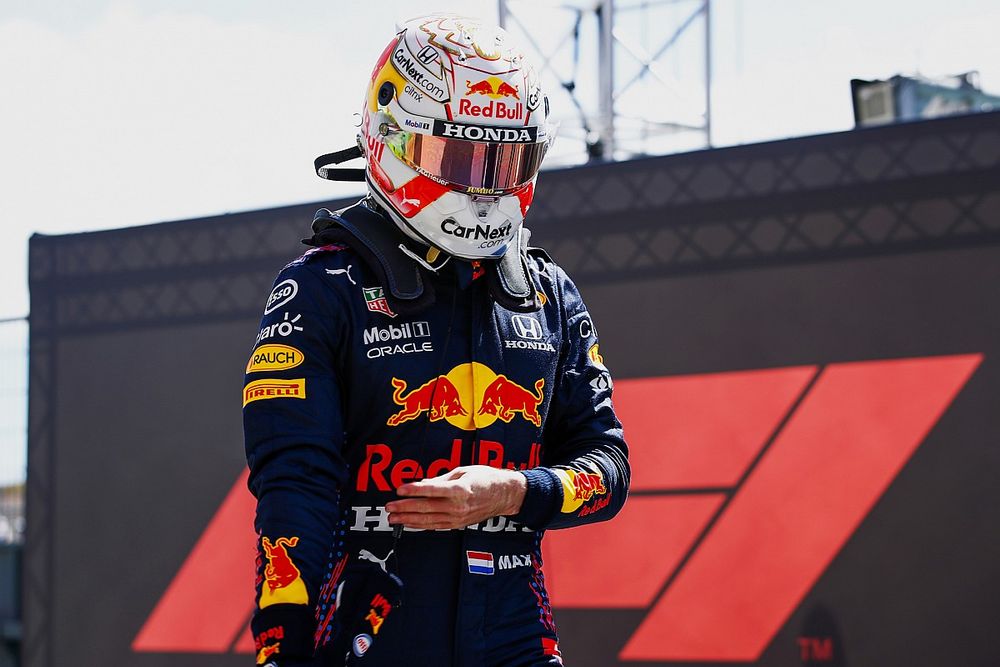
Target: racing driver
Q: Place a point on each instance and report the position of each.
(426, 395)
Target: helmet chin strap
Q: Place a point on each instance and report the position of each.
(339, 173)
(353, 174)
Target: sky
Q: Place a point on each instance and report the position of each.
(126, 112)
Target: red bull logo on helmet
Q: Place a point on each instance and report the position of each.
(493, 109)
(492, 86)
(282, 579)
(470, 396)
(498, 91)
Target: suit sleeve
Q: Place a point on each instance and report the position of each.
(294, 434)
(584, 477)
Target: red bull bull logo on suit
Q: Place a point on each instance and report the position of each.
(504, 399)
(469, 396)
(283, 578)
(579, 487)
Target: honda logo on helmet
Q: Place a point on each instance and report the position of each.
(485, 133)
(427, 55)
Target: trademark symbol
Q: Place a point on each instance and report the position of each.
(815, 649)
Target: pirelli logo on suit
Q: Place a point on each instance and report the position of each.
(260, 390)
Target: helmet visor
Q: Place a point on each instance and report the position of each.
(469, 165)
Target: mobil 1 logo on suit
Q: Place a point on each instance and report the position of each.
(402, 338)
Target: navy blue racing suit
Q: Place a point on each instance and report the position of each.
(346, 399)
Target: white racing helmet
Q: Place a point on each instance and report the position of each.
(454, 129)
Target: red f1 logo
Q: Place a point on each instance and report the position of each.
(745, 486)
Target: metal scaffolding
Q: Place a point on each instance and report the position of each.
(629, 83)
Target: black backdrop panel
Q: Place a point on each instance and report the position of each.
(861, 246)
(152, 448)
(920, 575)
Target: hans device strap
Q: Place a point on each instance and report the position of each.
(376, 240)
(510, 278)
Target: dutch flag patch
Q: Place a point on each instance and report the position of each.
(480, 562)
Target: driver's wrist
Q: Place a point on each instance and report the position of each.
(517, 487)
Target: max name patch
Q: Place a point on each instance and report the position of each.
(274, 357)
(260, 390)
(482, 562)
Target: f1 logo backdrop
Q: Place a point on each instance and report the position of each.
(745, 487)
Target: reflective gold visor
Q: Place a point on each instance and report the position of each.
(469, 164)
